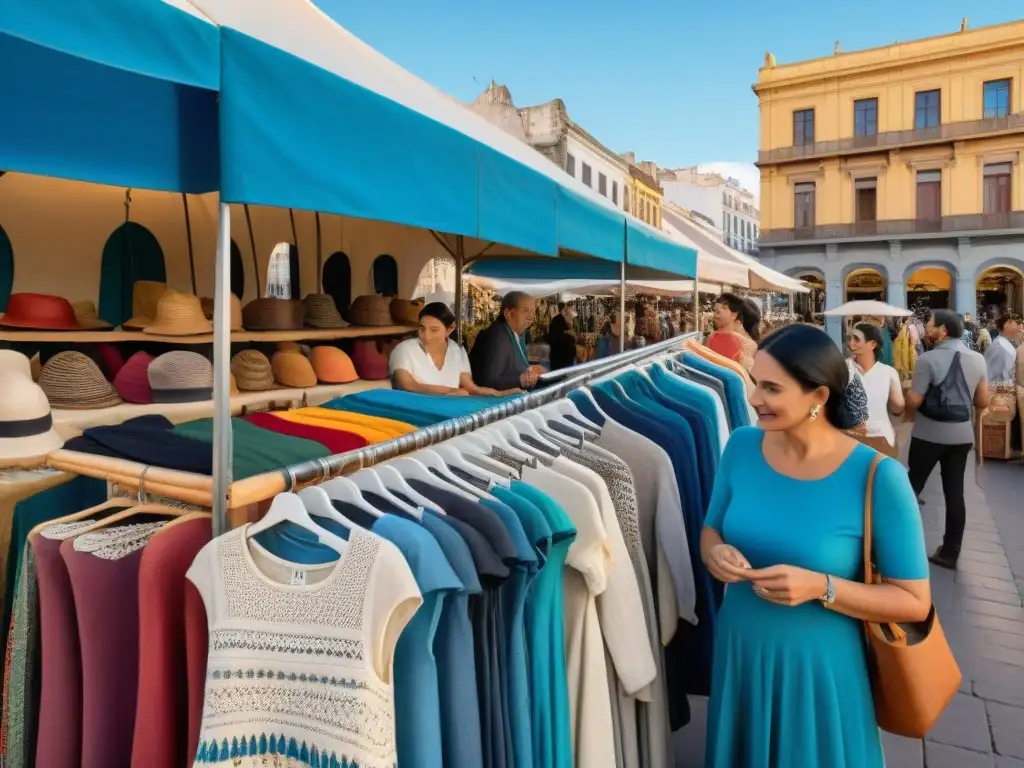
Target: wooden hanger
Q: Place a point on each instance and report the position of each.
(188, 516)
(117, 503)
(137, 509)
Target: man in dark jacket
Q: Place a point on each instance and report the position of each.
(561, 339)
(498, 359)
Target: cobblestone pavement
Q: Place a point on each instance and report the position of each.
(981, 611)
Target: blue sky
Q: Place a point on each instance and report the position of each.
(669, 80)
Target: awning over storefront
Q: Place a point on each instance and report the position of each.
(709, 268)
(311, 117)
(121, 92)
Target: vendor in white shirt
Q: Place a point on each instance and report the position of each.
(433, 364)
(881, 384)
(1001, 356)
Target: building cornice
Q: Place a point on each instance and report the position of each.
(590, 142)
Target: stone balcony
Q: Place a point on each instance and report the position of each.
(988, 223)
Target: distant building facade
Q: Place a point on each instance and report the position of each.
(722, 201)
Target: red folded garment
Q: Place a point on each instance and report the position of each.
(334, 440)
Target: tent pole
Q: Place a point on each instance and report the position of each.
(696, 294)
(791, 313)
(188, 234)
(319, 258)
(460, 258)
(222, 448)
(252, 245)
(622, 285)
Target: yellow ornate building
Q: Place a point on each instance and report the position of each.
(645, 193)
(880, 163)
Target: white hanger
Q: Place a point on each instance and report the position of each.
(454, 458)
(508, 437)
(394, 481)
(414, 467)
(446, 477)
(489, 440)
(318, 504)
(538, 420)
(566, 407)
(288, 507)
(526, 427)
(369, 481)
(344, 490)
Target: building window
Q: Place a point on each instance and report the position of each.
(725, 198)
(586, 175)
(866, 191)
(803, 127)
(602, 184)
(927, 112)
(570, 165)
(929, 195)
(725, 221)
(803, 208)
(615, 192)
(997, 188)
(865, 117)
(997, 98)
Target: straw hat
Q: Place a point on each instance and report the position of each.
(40, 312)
(207, 304)
(179, 314)
(369, 362)
(132, 381)
(332, 366)
(145, 297)
(270, 314)
(406, 312)
(322, 312)
(88, 317)
(26, 425)
(252, 371)
(14, 362)
(293, 369)
(74, 382)
(370, 310)
(234, 385)
(181, 377)
(236, 311)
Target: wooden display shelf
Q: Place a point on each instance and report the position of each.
(305, 334)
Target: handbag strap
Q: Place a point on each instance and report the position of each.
(869, 518)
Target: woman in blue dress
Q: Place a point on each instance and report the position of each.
(784, 531)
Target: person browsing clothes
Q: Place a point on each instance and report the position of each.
(790, 684)
(1001, 357)
(948, 380)
(737, 329)
(499, 358)
(433, 364)
(561, 338)
(881, 385)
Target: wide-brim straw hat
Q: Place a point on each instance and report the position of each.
(15, 362)
(322, 312)
(26, 424)
(88, 317)
(40, 312)
(269, 314)
(252, 371)
(370, 310)
(332, 366)
(293, 369)
(406, 312)
(73, 382)
(181, 377)
(179, 314)
(146, 295)
(236, 311)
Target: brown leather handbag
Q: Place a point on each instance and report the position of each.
(913, 673)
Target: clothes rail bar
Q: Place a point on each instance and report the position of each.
(319, 470)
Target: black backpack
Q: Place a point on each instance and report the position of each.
(950, 400)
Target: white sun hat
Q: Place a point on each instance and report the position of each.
(14, 362)
(26, 426)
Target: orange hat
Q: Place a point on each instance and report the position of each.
(332, 366)
(292, 369)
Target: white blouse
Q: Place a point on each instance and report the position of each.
(878, 382)
(411, 357)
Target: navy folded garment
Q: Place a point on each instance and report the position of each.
(147, 440)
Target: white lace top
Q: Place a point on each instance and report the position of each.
(299, 670)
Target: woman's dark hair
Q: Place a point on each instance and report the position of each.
(439, 311)
(810, 356)
(746, 311)
(872, 333)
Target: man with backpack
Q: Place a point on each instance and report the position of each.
(949, 379)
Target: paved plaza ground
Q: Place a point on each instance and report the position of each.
(981, 611)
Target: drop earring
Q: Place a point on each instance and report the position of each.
(815, 410)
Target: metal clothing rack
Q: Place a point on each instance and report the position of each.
(319, 470)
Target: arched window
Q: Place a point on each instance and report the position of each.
(337, 280)
(131, 254)
(283, 280)
(6, 269)
(385, 275)
(237, 271)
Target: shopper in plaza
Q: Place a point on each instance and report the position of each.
(737, 329)
(608, 341)
(790, 682)
(561, 339)
(498, 358)
(881, 385)
(1001, 357)
(948, 380)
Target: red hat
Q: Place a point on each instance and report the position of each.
(369, 362)
(40, 312)
(132, 381)
(110, 358)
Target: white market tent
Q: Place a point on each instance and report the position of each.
(868, 308)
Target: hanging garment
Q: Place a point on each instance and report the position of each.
(302, 669)
(21, 695)
(196, 652)
(717, 388)
(161, 715)
(103, 567)
(703, 402)
(735, 390)
(334, 440)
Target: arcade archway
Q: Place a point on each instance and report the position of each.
(930, 288)
(865, 284)
(1000, 289)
